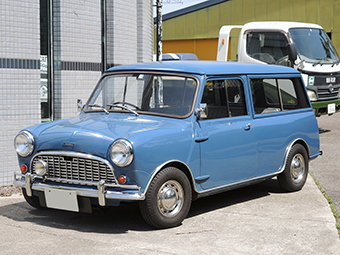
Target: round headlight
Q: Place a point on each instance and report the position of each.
(121, 153)
(312, 95)
(24, 143)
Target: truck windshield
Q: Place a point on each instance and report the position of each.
(141, 93)
(314, 46)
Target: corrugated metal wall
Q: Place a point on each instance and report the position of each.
(197, 27)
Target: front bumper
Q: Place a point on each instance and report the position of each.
(99, 190)
(320, 107)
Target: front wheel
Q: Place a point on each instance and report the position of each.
(168, 199)
(294, 176)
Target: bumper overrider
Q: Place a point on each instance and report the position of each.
(100, 190)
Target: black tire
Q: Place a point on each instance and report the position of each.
(32, 201)
(168, 199)
(294, 176)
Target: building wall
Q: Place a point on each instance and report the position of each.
(77, 51)
(77, 42)
(19, 77)
(205, 23)
(126, 45)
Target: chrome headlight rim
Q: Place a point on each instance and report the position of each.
(121, 153)
(24, 147)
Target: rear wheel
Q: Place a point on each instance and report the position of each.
(32, 201)
(168, 199)
(294, 176)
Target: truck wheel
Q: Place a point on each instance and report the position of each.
(295, 173)
(32, 201)
(168, 199)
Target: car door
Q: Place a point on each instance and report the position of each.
(227, 141)
(279, 104)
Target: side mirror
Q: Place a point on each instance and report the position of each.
(202, 112)
(292, 52)
(80, 105)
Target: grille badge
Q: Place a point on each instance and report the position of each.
(68, 144)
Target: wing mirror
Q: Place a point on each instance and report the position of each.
(202, 112)
(292, 52)
(80, 105)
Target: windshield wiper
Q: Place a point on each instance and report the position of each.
(123, 107)
(99, 106)
(336, 63)
(319, 61)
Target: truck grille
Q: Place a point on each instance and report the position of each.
(327, 85)
(76, 168)
(325, 93)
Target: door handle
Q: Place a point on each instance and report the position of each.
(248, 126)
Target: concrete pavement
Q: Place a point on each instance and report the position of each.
(260, 219)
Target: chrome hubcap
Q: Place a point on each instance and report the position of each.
(297, 168)
(170, 198)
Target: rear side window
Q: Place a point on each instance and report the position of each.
(224, 98)
(275, 95)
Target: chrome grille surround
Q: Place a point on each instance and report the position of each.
(76, 168)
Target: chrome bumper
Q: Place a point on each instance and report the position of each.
(97, 190)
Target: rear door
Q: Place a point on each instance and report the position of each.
(280, 104)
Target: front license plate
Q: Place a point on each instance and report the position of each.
(331, 108)
(61, 199)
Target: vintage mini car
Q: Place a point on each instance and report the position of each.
(167, 133)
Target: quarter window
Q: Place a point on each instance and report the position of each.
(224, 98)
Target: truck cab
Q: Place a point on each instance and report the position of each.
(303, 46)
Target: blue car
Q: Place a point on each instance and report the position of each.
(165, 134)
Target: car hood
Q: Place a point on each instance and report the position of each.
(91, 133)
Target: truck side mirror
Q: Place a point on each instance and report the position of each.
(292, 52)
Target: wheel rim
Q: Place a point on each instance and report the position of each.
(170, 198)
(297, 168)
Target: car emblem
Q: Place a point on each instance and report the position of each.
(68, 144)
(331, 88)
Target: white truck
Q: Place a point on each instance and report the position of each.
(303, 46)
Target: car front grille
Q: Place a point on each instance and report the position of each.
(72, 168)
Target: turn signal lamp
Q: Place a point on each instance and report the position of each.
(122, 179)
(23, 168)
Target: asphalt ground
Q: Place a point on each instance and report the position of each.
(259, 219)
(326, 169)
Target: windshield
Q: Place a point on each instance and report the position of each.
(314, 46)
(141, 93)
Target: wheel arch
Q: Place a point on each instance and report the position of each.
(303, 143)
(182, 167)
(290, 146)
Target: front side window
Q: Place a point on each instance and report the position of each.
(275, 95)
(269, 47)
(224, 98)
(144, 93)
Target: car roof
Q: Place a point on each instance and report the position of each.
(204, 68)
